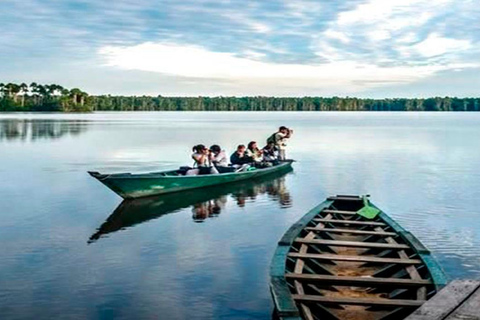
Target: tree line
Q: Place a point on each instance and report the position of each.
(38, 97)
(53, 97)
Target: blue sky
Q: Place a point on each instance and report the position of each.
(365, 48)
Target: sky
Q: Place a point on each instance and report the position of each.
(363, 48)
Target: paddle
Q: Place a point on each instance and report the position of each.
(367, 211)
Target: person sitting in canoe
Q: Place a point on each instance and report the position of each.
(219, 159)
(269, 153)
(257, 155)
(254, 152)
(239, 159)
(202, 161)
(280, 140)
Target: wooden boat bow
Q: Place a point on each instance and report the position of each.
(336, 264)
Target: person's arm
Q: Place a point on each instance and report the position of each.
(279, 137)
(199, 158)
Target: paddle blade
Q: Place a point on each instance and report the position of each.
(368, 212)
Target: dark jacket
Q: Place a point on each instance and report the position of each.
(235, 158)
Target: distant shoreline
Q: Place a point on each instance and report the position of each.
(55, 98)
(242, 111)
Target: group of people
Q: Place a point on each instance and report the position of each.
(214, 160)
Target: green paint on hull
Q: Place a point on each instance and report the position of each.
(130, 186)
(285, 306)
(136, 211)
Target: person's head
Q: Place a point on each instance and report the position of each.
(200, 148)
(252, 145)
(215, 149)
(241, 148)
(283, 129)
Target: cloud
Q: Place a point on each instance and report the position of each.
(397, 33)
(300, 43)
(436, 45)
(198, 62)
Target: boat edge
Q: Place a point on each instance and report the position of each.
(285, 306)
(439, 277)
(285, 166)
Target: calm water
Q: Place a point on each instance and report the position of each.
(69, 250)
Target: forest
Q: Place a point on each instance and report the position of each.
(56, 98)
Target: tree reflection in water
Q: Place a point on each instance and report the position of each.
(204, 203)
(32, 130)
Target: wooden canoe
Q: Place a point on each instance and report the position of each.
(335, 264)
(132, 212)
(130, 186)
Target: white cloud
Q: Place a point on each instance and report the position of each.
(395, 13)
(436, 45)
(302, 9)
(394, 32)
(245, 20)
(337, 35)
(198, 62)
(255, 55)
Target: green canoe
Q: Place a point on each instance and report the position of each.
(130, 186)
(132, 212)
(335, 263)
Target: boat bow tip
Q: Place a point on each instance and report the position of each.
(94, 174)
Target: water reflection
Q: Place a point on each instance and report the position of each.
(32, 130)
(205, 203)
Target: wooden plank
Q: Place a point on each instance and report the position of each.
(352, 222)
(282, 297)
(299, 265)
(338, 257)
(357, 281)
(469, 310)
(412, 271)
(355, 244)
(345, 198)
(339, 212)
(359, 301)
(446, 301)
(338, 230)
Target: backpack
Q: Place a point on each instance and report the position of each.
(272, 139)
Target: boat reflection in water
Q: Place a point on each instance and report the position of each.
(205, 203)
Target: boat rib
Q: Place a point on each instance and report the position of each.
(340, 265)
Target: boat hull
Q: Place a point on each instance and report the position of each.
(131, 186)
(136, 211)
(335, 264)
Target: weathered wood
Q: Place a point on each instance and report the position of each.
(360, 232)
(469, 310)
(352, 258)
(340, 212)
(446, 301)
(412, 271)
(358, 301)
(299, 265)
(345, 198)
(357, 281)
(286, 306)
(355, 244)
(352, 222)
(396, 314)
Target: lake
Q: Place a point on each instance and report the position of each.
(70, 250)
